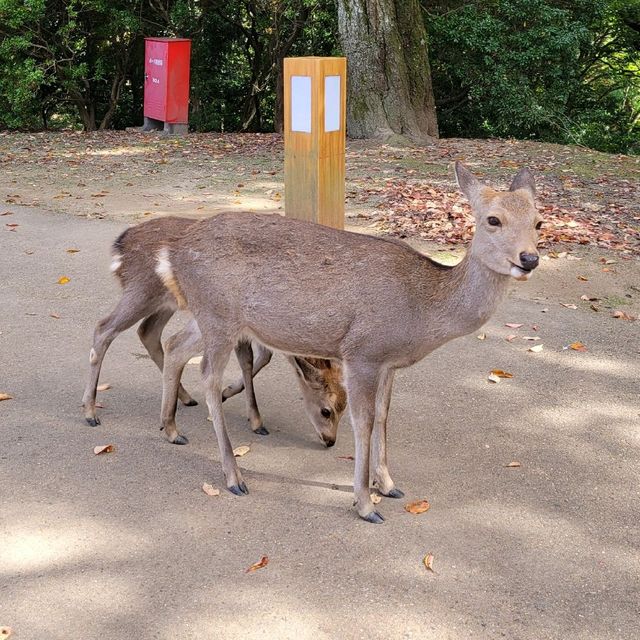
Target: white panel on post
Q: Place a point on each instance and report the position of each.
(332, 103)
(301, 103)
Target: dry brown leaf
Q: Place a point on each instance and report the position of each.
(577, 346)
(106, 448)
(532, 338)
(513, 465)
(568, 306)
(103, 387)
(64, 280)
(242, 450)
(493, 378)
(537, 348)
(73, 250)
(5, 396)
(427, 561)
(589, 299)
(595, 307)
(482, 336)
(210, 490)
(263, 562)
(511, 338)
(583, 278)
(6, 213)
(346, 458)
(5, 632)
(622, 315)
(99, 405)
(513, 325)
(376, 498)
(501, 374)
(418, 506)
(54, 315)
(12, 225)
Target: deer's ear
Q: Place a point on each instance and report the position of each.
(524, 180)
(305, 370)
(467, 182)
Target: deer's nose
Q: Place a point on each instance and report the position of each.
(529, 261)
(328, 441)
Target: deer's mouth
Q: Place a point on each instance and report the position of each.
(519, 273)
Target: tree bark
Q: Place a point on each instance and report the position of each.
(389, 79)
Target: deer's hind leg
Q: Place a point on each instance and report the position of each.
(217, 351)
(178, 349)
(150, 334)
(132, 307)
(261, 358)
(244, 353)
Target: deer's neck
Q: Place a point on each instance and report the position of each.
(467, 296)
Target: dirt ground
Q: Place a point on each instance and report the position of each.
(126, 545)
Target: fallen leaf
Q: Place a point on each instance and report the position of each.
(493, 378)
(513, 465)
(513, 325)
(346, 458)
(107, 448)
(482, 336)
(12, 225)
(5, 632)
(606, 261)
(568, 306)
(72, 250)
(64, 280)
(583, 278)
(418, 506)
(103, 387)
(427, 561)
(242, 450)
(501, 374)
(577, 346)
(588, 299)
(99, 405)
(54, 315)
(210, 490)
(532, 338)
(5, 396)
(6, 213)
(511, 338)
(595, 307)
(263, 562)
(537, 348)
(544, 310)
(622, 315)
(376, 498)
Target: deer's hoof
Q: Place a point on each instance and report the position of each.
(394, 493)
(261, 431)
(373, 517)
(191, 403)
(93, 422)
(239, 489)
(180, 439)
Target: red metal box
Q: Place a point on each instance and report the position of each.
(166, 79)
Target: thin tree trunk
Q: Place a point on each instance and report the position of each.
(389, 79)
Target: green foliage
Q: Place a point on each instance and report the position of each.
(559, 70)
(553, 70)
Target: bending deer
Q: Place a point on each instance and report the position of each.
(144, 296)
(374, 304)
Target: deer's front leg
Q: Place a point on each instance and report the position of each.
(362, 386)
(381, 479)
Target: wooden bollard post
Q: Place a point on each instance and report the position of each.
(314, 139)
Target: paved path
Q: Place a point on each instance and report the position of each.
(126, 546)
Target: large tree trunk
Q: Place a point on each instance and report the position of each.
(389, 80)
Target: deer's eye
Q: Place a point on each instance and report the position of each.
(326, 413)
(494, 222)
(539, 226)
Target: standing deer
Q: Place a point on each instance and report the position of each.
(374, 304)
(144, 296)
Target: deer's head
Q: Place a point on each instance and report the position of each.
(507, 223)
(325, 399)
